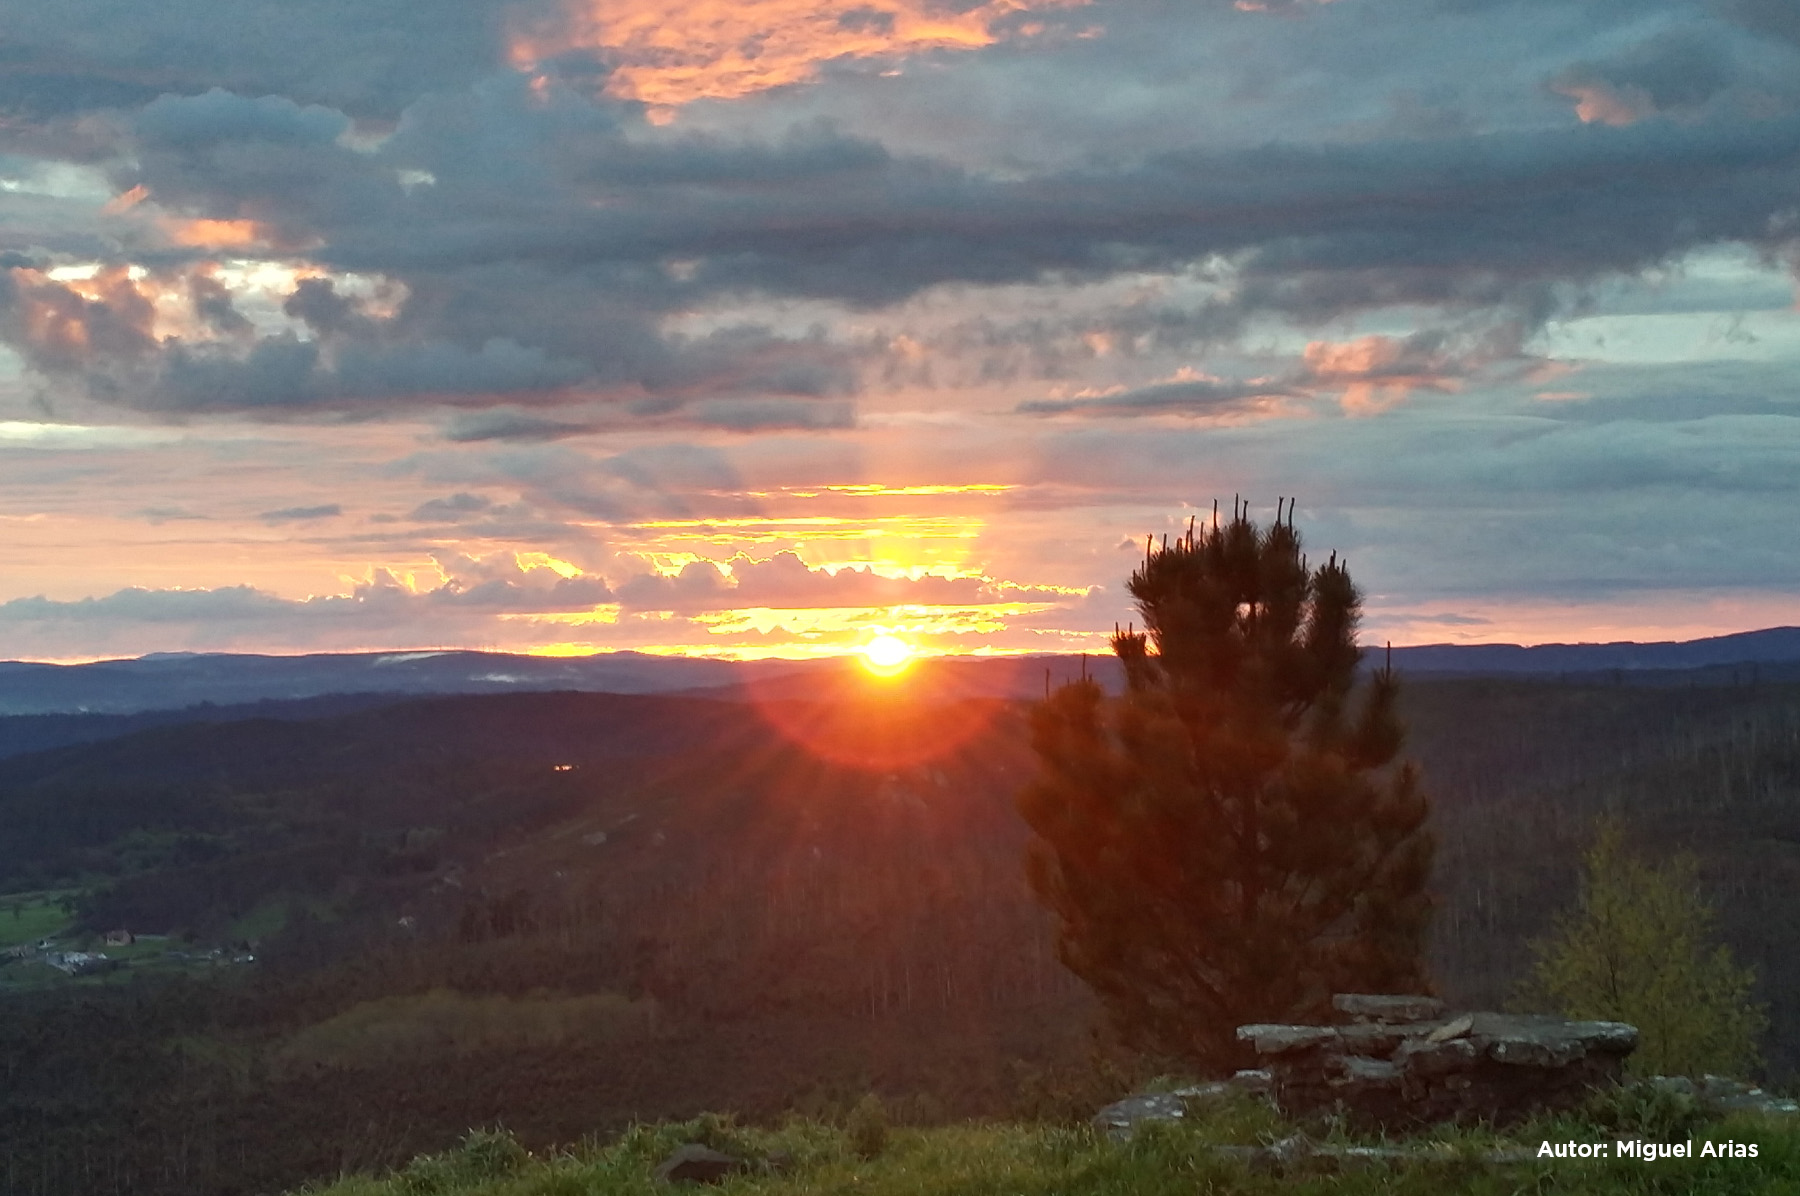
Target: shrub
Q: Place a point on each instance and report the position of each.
(867, 1127)
(1656, 1111)
(1638, 948)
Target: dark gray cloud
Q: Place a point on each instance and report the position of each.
(760, 415)
(302, 514)
(1204, 396)
(1675, 72)
(371, 58)
(1775, 18)
(1432, 218)
(452, 509)
(538, 239)
(192, 124)
(160, 515)
(509, 425)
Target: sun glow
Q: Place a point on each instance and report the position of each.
(886, 655)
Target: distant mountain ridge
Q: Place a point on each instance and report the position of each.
(176, 681)
(1773, 645)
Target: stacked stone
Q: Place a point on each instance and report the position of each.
(1399, 1061)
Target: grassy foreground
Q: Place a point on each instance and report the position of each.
(1029, 1160)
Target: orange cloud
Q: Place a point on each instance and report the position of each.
(215, 234)
(125, 202)
(62, 321)
(1378, 372)
(1600, 103)
(671, 53)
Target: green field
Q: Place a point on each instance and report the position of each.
(28, 917)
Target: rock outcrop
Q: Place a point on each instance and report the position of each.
(1396, 1062)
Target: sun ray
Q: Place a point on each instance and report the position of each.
(887, 655)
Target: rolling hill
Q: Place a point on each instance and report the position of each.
(762, 899)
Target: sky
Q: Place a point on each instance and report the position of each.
(766, 327)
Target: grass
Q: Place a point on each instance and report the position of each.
(262, 922)
(28, 917)
(1043, 1160)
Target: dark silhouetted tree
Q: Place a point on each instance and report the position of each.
(1233, 839)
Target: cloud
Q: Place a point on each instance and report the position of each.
(158, 516)
(558, 245)
(1376, 372)
(1776, 18)
(755, 415)
(496, 584)
(675, 52)
(509, 425)
(302, 514)
(502, 304)
(784, 581)
(1367, 374)
(649, 482)
(458, 506)
(1188, 396)
(1675, 72)
(190, 124)
(370, 59)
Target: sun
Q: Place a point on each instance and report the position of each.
(886, 655)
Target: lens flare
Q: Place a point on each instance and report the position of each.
(886, 655)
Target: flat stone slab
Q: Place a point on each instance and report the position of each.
(1122, 1117)
(1355, 1069)
(1386, 1008)
(1537, 1041)
(694, 1163)
(1454, 1028)
(1279, 1040)
(1133, 1111)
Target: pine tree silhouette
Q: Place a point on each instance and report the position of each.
(1234, 839)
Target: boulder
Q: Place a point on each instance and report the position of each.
(1716, 1094)
(694, 1163)
(1121, 1118)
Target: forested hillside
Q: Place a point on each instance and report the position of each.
(565, 911)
